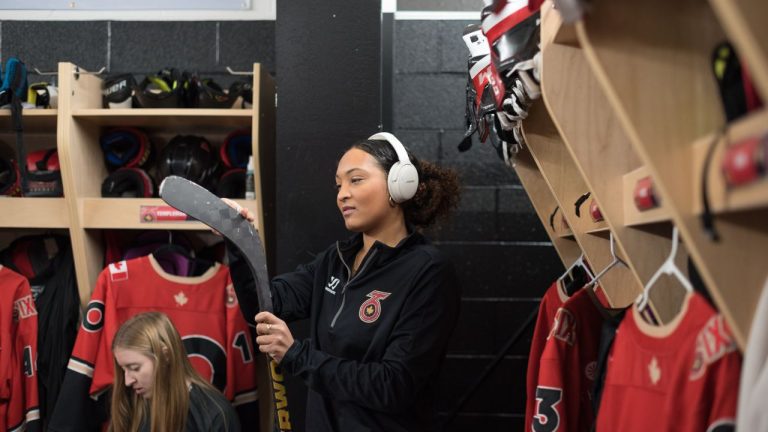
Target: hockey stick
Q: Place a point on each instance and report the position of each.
(198, 203)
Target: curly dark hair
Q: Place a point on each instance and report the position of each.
(439, 188)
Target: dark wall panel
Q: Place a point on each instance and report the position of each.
(329, 69)
(486, 325)
(242, 41)
(44, 44)
(497, 269)
(146, 45)
(500, 392)
(428, 101)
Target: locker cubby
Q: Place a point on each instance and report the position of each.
(633, 95)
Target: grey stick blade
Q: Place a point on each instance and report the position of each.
(201, 204)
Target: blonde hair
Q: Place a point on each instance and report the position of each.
(153, 335)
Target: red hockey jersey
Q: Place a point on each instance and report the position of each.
(203, 309)
(682, 376)
(550, 303)
(568, 365)
(19, 408)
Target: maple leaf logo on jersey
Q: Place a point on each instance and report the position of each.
(180, 298)
(564, 327)
(713, 343)
(118, 271)
(654, 372)
(371, 308)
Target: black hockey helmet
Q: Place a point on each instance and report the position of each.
(166, 89)
(117, 91)
(128, 182)
(191, 157)
(208, 94)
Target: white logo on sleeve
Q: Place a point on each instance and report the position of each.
(332, 284)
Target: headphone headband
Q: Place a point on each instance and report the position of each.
(402, 179)
(402, 155)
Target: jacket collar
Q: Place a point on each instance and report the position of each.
(349, 247)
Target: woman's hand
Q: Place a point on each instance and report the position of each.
(274, 337)
(244, 212)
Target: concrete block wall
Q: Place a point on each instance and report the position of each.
(141, 47)
(503, 255)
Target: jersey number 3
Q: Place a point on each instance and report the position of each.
(546, 418)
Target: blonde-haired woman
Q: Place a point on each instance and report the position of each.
(156, 388)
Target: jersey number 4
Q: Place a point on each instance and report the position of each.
(547, 418)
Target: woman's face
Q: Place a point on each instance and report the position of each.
(362, 195)
(139, 370)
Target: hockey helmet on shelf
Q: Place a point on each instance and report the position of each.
(191, 157)
(44, 174)
(128, 182)
(117, 91)
(126, 147)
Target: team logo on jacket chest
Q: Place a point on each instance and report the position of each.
(371, 308)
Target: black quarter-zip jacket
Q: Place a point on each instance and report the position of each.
(377, 338)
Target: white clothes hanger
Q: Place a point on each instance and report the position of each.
(579, 262)
(668, 268)
(616, 260)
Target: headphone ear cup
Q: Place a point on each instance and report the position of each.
(402, 181)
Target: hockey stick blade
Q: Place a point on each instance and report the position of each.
(201, 204)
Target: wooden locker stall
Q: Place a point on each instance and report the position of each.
(654, 64)
(559, 171)
(74, 129)
(604, 157)
(37, 215)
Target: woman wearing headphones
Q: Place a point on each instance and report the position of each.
(156, 388)
(381, 304)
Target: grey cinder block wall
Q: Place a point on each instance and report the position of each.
(141, 47)
(503, 255)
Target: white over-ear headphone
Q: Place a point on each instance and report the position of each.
(403, 179)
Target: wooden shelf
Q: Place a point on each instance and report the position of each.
(553, 30)
(567, 184)
(125, 213)
(721, 198)
(31, 119)
(634, 217)
(744, 22)
(167, 118)
(33, 213)
(599, 227)
(544, 203)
